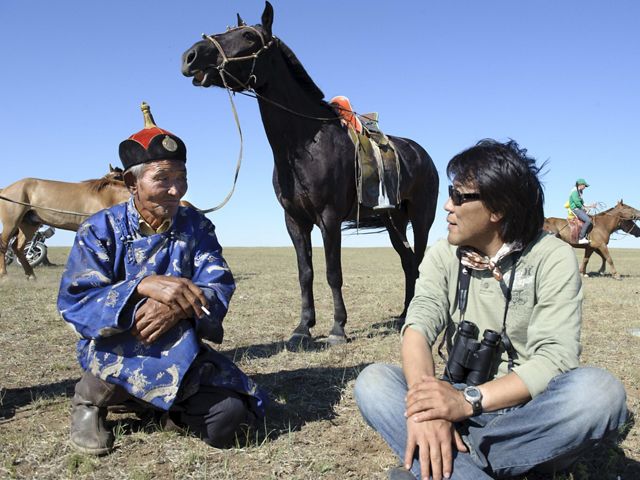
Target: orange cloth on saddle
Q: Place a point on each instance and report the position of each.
(346, 112)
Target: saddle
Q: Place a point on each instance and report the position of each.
(378, 172)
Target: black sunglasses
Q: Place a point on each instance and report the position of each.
(458, 198)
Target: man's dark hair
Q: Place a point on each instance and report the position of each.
(508, 183)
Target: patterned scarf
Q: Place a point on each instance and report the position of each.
(471, 258)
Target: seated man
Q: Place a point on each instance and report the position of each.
(144, 284)
(517, 400)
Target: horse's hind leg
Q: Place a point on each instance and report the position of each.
(5, 238)
(422, 214)
(396, 224)
(300, 233)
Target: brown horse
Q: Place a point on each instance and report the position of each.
(620, 217)
(31, 202)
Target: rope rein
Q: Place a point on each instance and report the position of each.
(39, 207)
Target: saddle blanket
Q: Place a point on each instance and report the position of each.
(575, 225)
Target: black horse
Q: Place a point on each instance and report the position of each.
(314, 174)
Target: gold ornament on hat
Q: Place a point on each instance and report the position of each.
(148, 118)
(168, 143)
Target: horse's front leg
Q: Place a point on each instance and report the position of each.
(332, 238)
(300, 233)
(603, 262)
(585, 260)
(604, 252)
(25, 233)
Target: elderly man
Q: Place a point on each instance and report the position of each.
(144, 284)
(513, 397)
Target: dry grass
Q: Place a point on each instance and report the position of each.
(313, 429)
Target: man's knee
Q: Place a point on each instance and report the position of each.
(226, 419)
(372, 382)
(595, 395)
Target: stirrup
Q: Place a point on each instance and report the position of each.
(383, 201)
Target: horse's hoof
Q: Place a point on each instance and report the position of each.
(398, 322)
(31, 278)
(299, 342)
(336, 340)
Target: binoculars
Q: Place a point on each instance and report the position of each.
(470, 361)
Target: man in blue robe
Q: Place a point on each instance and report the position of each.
(144, 285)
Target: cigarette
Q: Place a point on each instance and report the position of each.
(205, 310)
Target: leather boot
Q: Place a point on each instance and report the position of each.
(89, 433)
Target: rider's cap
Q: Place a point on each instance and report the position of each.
(150, 144)
(582, 181)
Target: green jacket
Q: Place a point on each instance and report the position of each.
(545, 313)
(575, 200)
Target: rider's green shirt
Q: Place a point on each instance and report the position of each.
(575, 199)
(544, 316)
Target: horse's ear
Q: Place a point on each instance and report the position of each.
(111, 169)
(267, 18)
(240, 20)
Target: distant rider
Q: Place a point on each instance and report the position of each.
(579, 209)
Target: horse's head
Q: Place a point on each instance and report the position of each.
(230, 58)
(116, 174)
(630, 227)
(626, 212)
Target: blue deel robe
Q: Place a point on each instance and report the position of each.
(107, 261)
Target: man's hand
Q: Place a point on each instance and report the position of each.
(434, 440)
(432, 399)
(175, 292)
(153, 319)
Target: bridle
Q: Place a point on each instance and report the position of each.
(251, 79)
(226, 59)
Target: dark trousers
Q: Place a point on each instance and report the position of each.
(214, 414)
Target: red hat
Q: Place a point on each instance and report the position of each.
(151, 143)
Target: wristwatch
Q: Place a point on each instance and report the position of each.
(473, 395)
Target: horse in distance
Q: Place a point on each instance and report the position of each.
(314, 168)
(622, 217)
(30, 202)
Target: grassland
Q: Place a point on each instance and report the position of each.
(313, 429)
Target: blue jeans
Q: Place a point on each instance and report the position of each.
(582, 215)
(577, 410)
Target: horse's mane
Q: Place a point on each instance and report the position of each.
(298, 71)
(605, 212)
(99, 184)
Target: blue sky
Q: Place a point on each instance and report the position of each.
(560, 77)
